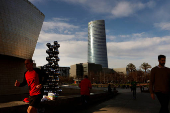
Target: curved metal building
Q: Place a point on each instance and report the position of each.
(97, 50)
(20, 25)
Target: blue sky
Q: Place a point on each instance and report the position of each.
(137, 31)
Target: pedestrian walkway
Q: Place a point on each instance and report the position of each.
(124, 103)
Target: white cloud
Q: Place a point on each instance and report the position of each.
(71, 52)
(138, 34)
(159, 14)
(124, 36)
(50, 37)
(143, 47)
(60, 19)
(45, 37)
(58, 29)
(138, 51)
(123, 62)
(163, 25)
(97, 6)
(58, 25)
(124, 9)
(81, 35)
(119, 53)
(110, 37)
(116, 8)
(73, 49)
(151, 4)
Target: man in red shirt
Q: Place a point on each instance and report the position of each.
(85, 87)
(33, 77)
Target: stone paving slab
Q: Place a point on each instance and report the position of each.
(12, 104)
(124, 103)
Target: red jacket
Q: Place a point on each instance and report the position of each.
(41, 74)
(85, 85)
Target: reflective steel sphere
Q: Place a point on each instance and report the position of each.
(48, 45)
(57, 59)
(56, 51)
(53, 59)
(47, 72)
(48, 65)
(58, 45)
(54, 46)
(49, 51)
(50, 55)
(56, 62)
(48, 58)
(51, 69)
(56, 69)
(55, 42)
(55, 55)
(57, 72)
(51, 47)
(53, 66)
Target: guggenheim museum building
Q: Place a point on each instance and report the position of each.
(20, 26)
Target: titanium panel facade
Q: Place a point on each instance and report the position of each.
(20, 25)
(97, 50)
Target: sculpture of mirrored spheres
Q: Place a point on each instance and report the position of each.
(51, 69)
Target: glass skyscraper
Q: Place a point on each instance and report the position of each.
(97, 50)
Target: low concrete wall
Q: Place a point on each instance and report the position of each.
(76, 91)
(61, 104)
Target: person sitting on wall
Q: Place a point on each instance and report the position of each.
(85, 86)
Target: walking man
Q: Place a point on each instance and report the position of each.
(133, 86)
(85, 87)
(35, 78)
(160, 83)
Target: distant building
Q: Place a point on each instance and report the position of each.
(79, 70)
(108, 70)
(64, 71)
(97, 48)
(91, 68)
(20, 25)
(121, 70)
(76, 71)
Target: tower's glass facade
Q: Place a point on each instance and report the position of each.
(97, 50)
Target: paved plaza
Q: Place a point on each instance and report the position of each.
(124, 103)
